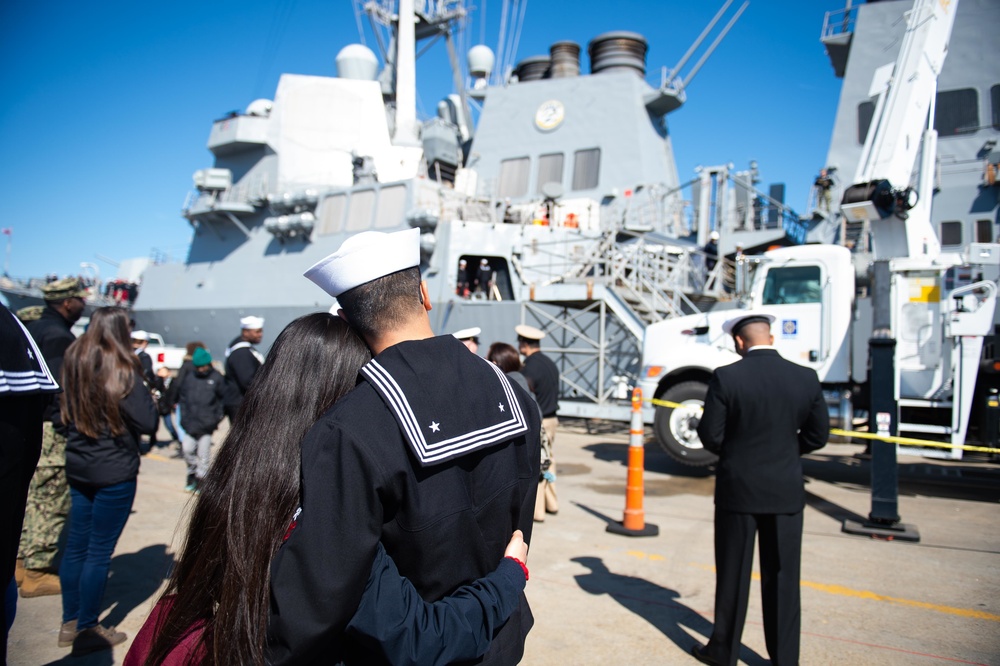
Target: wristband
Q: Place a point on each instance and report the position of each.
(524, 567)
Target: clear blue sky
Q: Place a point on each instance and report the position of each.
(108, 105)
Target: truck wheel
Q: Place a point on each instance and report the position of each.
(676, 427)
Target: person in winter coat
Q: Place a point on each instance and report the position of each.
(106, 408)
(201, 396)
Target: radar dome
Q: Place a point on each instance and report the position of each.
(481, 60)
(358, 62)
(260, 107)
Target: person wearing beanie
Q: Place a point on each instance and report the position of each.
(201, 396)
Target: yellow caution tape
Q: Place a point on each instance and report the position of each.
(861, 435)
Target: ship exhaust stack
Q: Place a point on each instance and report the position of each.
(534, 68)
(618, 52)
(565, 60)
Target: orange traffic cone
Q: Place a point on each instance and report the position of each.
(634, 523)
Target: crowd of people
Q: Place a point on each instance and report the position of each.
(342, 446)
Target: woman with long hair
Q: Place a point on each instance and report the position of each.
(106, 407)
(215, 607)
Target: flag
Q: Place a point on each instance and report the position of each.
(7, 231)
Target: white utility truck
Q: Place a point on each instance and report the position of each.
(938, 307)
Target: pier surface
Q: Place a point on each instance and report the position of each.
(601, 598)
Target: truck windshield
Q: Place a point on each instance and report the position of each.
(793, 284)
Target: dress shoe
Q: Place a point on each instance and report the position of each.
(19, 571)
(67, 633)
(94, 639)
(39, 584)
(701, 654)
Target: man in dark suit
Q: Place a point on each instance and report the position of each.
(761, 414)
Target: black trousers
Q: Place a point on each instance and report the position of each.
(780, 557)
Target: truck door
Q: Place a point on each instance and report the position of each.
(794, 295)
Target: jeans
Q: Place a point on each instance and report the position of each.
(197, 451)
(168, 423)
(97, 517)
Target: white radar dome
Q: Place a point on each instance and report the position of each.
(358, 62)
(260, 107)
(481, 60)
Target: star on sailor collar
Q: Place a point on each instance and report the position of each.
(30, 355)
(435, 426)
(500, 405)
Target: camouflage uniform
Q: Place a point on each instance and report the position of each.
(48, 503)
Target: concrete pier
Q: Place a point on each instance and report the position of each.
(601, 598)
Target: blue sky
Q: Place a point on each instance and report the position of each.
(108, 105)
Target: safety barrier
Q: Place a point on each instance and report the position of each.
(634, 521)
(867, 435)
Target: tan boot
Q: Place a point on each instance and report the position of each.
(67, 633)
(39, 584)
(19, 571)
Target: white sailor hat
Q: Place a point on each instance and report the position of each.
(365, 257)
(735, 323)
(468, 333)
(252, 323)
(140, 335)
(529, 332)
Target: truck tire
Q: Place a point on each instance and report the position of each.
(675, 428)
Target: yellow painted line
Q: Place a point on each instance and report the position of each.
(155, 456)
(865, 594)
(843, 591)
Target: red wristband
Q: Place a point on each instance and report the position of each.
(524, 567)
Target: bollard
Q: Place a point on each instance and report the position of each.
(634, 522)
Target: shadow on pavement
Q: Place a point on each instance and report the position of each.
(102, 658)
(134, 579)
(656, 459)
(655, 604)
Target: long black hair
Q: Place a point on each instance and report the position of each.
(252, 489)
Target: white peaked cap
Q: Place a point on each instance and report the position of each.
(467, 333)
(736, 320)
(365, 257)
(140, 335)
(529, 332)
(252, 323)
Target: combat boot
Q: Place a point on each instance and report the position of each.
(19, 571)
(67, 633)
(39, 584)
(95, 639)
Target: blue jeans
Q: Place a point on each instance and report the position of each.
(97, 517)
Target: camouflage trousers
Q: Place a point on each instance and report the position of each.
(48, 503)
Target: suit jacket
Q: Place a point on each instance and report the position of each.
(761, 414)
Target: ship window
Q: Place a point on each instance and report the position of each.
(951, 233)
(794, 284)
(391, 207)
(359, 215)
(331, 214)
(586, 167)
(866, 111)
(957, 112)
(984, 231)
(550, 170)
(995, 104)
(514, 177)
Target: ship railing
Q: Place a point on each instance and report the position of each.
(839, 21)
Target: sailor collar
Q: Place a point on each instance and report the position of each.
(448, 401)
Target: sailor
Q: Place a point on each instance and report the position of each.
(761, 414)
(48, 495)
(469, 337)
(140, 340)
(543, 378)
(484, 277)
(25, 383)
(823, 184)
(435, 454)
(242, 362)
(711, 251)
(462, 284)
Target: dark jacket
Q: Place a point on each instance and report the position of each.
(761, 414)
(543, 377)
(53, 336)
(241, 366)
(201, 398)
(108, 460)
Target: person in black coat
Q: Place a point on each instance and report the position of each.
(242, 363)
(201, 396)
(761, 414)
